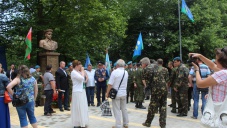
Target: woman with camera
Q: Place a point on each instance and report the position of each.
(25, 81)
(217, 82)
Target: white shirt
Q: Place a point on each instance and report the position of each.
(91, 79)
(77, 80)
(115, 79)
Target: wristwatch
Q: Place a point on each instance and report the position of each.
(196, 70)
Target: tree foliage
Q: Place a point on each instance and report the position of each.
(92, 26)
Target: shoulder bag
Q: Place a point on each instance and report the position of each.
(20, 97)
(215, 113)
(113, 92)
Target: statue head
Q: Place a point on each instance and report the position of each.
(48, 33)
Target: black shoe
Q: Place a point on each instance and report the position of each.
(61, 110)
(170, 105)
(181, 115)
(88, 105)
(142, 107)
(53, 112)
(47, 114)
(67, 109)
(92, 105)
(98, 104)
(173, 111)
(146, 124)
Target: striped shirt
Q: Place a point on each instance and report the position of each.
(219, 91)
(204, 69)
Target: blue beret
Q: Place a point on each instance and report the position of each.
(70, 64)
(134, 64)
(177, 58)
(213, 60)
(115, 64)
(130, 62)
(111, 62)
(37, 66)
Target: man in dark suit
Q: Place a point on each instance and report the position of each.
(101, 75)
(62, 86)
(12, 73)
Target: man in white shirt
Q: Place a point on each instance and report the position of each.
(119, 103)
(90, 86)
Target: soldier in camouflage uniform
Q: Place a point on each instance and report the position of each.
(158, 78)
(130, 81)
(172, 84)
(39, 78)
(68, 71)
(181, 87)
(138, 87)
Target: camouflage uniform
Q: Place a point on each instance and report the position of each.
(130, 85)
(139, 90)
(158, 78)
(36, 75)
(70, 84)
(172, 81)
(181, 84)
(148, 88)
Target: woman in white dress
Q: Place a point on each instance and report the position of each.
(79, 107)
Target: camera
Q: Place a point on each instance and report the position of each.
(192, 59)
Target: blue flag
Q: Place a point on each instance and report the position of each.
(107, 63)
(87, 61)
(138, 48)
(186, 10)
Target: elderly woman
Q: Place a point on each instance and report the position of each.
(30, 84)
(79, 107)
(217, 81)
(4, 116)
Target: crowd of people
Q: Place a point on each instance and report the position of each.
(77, 87)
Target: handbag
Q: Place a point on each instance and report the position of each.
(7, 97)
(113, 92)
(20, 97)
(215, 113)
(105, 108)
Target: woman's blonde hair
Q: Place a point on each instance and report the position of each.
(24, 72)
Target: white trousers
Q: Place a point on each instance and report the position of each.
(119, 106)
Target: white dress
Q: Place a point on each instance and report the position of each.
(79, 107)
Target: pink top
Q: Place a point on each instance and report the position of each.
(219, 91)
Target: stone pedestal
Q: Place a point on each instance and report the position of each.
(49, 58)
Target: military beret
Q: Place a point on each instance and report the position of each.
(89, 64)
(134, 64)
(70, 64)
(213, 60)
(37, 66)
(130, 62)
(100, 62)
(177, 58)
(110, 62)
(115, 64)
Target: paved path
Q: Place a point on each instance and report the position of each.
(136, 118)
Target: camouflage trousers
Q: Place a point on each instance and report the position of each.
(158, 101)
(182, 101)
(139, 94)
(40, 91)
(173, 98)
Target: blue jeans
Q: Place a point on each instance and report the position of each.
(90, 95)
(196, 100)
(23, 111)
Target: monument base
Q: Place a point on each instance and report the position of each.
(48, 58)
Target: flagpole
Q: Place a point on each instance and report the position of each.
(179, 28)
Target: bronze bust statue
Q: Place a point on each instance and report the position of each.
(48, 44)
